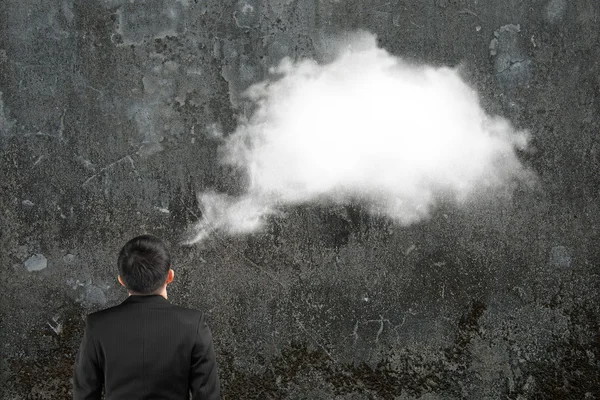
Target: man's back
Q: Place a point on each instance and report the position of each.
(146, 348)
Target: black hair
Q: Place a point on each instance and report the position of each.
(144, 264)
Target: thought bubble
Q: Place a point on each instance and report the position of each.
(364, 128)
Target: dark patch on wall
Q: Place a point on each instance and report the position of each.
(571, 366)
(48, 374)
(391, 377)
(335, 229)
(184, 208)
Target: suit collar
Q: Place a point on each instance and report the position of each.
(147, 299)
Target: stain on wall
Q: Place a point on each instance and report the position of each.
(107, 117)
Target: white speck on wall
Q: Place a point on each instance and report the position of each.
(560, 257)
(280, 6)
(5, 124)
(555, 10)
(512, 65)
(146, 120)
(246, 8)
(27, 203)
(494, 47)
(55, 325)
(195, 71)
(245, 14)
(95, 295)
(156, 19)
(214, 131)
(36, 262)
(76, 283)
(87, 164)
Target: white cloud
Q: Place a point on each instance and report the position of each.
(367, 128)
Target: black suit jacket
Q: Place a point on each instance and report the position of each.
(146, 349)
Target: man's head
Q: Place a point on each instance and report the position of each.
(145, 265)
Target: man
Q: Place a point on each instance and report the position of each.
(146, 348)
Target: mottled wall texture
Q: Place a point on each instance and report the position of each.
(106, 108)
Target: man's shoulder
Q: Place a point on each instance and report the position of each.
(187, 310)
(104, 322)
(192, 315)
(122, 308)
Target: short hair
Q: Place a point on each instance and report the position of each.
(144, 264)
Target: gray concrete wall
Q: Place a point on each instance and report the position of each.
(104, 108)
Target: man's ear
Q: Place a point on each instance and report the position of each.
(121, 280)
(170, 276)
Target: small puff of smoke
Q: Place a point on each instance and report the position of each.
(365, 128)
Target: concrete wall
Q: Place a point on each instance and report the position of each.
(104, 109)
